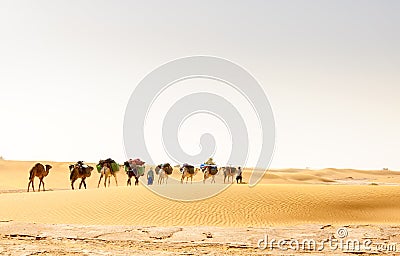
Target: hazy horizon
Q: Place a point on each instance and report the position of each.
(330, 70)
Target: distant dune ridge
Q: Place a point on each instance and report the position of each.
(283, 197)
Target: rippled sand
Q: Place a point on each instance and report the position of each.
(285, 198)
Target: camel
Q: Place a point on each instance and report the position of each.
(229, 172)
(107, 172)
(188, 172)
(78, 172)
(38, 171)
(163, 171)
(134, 169)
(209, 172)
(131, 174)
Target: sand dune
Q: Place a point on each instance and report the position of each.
(238, 206)
(284, 198)
(134, 220)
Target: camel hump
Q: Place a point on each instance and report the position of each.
(36, 167)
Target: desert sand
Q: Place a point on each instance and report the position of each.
(133, 220)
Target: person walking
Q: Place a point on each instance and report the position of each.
(239, 175)
(150, 176)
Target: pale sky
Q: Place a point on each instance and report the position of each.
(329, 68)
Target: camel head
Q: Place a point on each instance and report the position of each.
(48, 167)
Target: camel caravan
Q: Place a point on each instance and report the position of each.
(135, 168)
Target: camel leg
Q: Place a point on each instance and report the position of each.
(84, 182)
(191, 179)
(166, 180)
(101, 176)
(29, 185)
(116, 182)
(40, 184)
(136, 181)
(105, 181)
(80, 184)
(72, 184)
(128, 182)
(182, 179)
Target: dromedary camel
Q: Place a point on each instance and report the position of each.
(229, 172)
(38, 171)
(131, 173)
(107, 173)
(163, 170)
(79, 172)
(188, 172)
(209, 171)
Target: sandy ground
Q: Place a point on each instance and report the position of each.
(287, 204)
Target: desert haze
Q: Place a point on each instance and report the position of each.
(287, 201)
